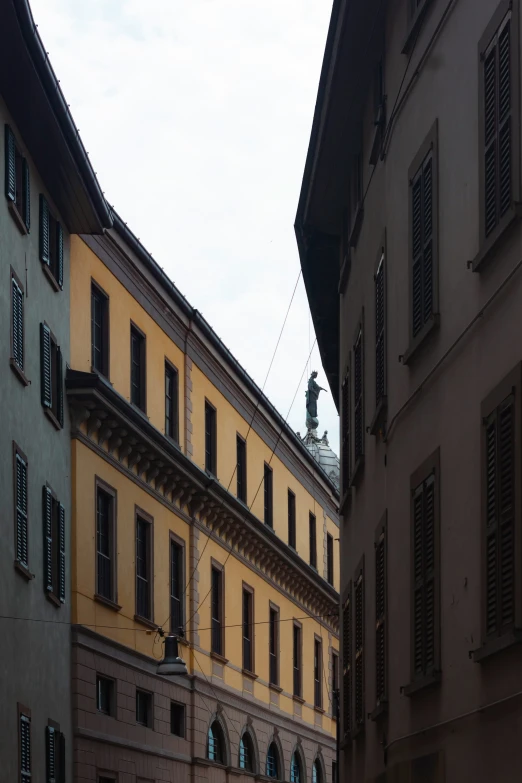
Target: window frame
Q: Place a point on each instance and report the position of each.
(51, 245)
(183, 721)
(135, 330)
(53, 588)
(297, 670)
(101, 485)
(268, 495)
(173, 403)
(21, 567)
(292, 526)
(247, 590)
(22, 711)
(149, 724)
(20, 209)
(142, 516)
(217, 568)
(273, 609)
(180, 544)
(486, 244)
(241, 468)
(111, 712)
(210, 438)
(318, 670)
(312, 540)
(97, 290)
(53, 730)
(430, 145)
(17, 368)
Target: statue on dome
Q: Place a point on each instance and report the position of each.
(312, 395)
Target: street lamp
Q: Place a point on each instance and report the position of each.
(172, 665)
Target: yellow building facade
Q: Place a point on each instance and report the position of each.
(197, 512)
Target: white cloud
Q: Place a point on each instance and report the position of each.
(197, 116)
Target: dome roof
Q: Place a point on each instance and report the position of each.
(320, 450)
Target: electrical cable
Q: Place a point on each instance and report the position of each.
(238, 732)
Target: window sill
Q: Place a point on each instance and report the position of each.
(51, 278)
(146, 622)
(380, 711)
(430, 326)
(413, 30)
(495, 646)
(492, 242)
(357, 224)
(274, 687)
(298, 699)
(18, 219)
(23, 570)
(19, 373)
(53, 599)
(319, 710)
(419, 685)
(52, 418)
(249, 674)
(357, 471)
(379, 417)
(107, 602)
(217, 657)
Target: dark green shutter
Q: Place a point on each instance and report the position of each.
(44, 231)
(45, 362)
(21, 511)
(61, 552)
(59, 385)
(18, 323)
(59, 254)
(25, 749)
(380, 618)
(48, 538)
(51, 735)
(26, 202)
(10, 164)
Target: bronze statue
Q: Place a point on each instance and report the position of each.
(312, 395)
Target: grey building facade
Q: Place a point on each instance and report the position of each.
(409, 221)
(48, 191)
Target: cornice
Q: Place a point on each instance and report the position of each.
(104, 419)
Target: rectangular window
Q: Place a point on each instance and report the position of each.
(51, 245)
(423, 239)
(20, 504)
(54, 545)
(17, 359)
(51, 376)
(380, 333)
(318, 666)
(347, 663)
(291, 520)
(99, 330)
(54, 753)
(273, 645)
(216, 603)
(17, 182)
(381, 625)
(425, 632)
(177, 588)
(297, 655)
(105, 541)
(335, 685)
(210, 438)
(501, 454)
(105, 695)
(177, 719)
(499, 121)
(144, 708)
(171, 402)
(358, 586)
(346, 416)
(138, 361)
(268, 478)
(329, 558)
(358, 396)
(24, 744)
(143, 567)
(241, 468)
(248, 629)
(313, 540)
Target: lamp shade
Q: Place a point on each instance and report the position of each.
(172, 664)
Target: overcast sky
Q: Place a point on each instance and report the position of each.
(196, 115)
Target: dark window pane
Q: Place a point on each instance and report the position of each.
(329, 559)
(142, 569)
(247, 630)
(241, 469)
(317, 672)
(216, 611)
(210, 439)
(291, 520)
(177, 719)
(137, 368)
(176, 586)
(297, 660)
(104, 695)
(268, 496)
(313, 541)
(273, 647)
(171, 402)
(104, 543)
(143, 708)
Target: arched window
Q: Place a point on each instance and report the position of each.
(216, 743)
(316, 772)
(272, 762)
(295, 769)
(246, 753)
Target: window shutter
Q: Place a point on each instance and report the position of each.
(21, 511)
(59, 385)
(418, 585)
(424, 579)
(25, 748)
(504, 116)
(358, 396)
(359, 649)
(44, 231)
(380, 618)
(491, 526)
(48, 539)
(345, 414)
(45, 363)
(10, 164)
(429, 568)
(59, 254)
(427, 187)
(347, 664)
(422, 245)
(61, 552)
(26, 184)
(18, 324)
(416, 243)
(380, 382)
(51, 754)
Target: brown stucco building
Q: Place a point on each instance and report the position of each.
(410, 243)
